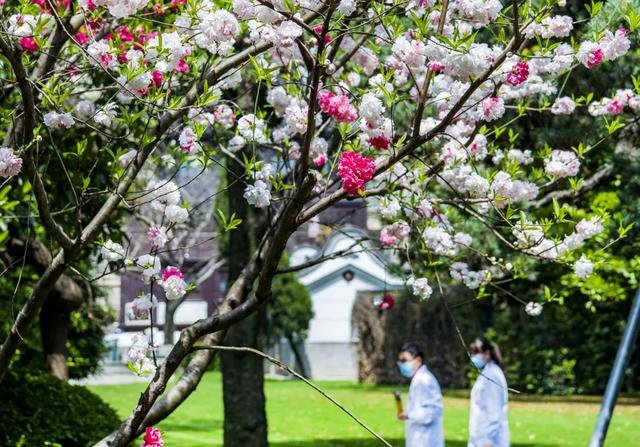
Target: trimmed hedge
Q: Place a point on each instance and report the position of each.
(37, 409)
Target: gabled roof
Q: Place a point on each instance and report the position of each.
(363, 258)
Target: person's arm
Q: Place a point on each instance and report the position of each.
(428, 402)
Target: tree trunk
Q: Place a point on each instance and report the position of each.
(245, 419)
(54, 326)
(55, 318)
(301, 360)
(55, 313)
(169, 326)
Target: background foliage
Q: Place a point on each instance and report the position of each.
(39, 410)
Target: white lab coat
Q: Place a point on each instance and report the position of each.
(488, 421)
(424, 409)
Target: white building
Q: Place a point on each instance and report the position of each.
(334, 285)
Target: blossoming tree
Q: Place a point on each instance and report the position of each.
(405, 102)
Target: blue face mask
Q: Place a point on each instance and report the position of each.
(406, 369)
(478, 361)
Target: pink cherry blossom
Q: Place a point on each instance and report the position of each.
(125, 34)
(157, 78)
(152, 438)
(380, 142)
(182, 67)
(395, 233)
(157, 236)
(81, 38)
(10, 165)
(590, 54)
(188, 140)
(563, 106)
(386, 303)
(492, 108)
(355, 170)
(172, 271)
(337, 106)
(320, 161)
(318, 30)
(29, 44)
(436, 67)
(519, 73)
(595, 57)
(615, 107)
(615, 44)
(45, 4)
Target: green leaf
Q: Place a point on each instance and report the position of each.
(593, 8)
(231, 224)
(81, 146)
(613, 125)
(633, 19)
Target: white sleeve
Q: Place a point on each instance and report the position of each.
(427, 402)
(493, 407)
(478, 423)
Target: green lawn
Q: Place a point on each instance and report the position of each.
(299, 417)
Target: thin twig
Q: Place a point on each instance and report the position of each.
(288, 369)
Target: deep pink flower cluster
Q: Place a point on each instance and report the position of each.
(182, 67)
(157, 78)
(46, 7)
(337, 106)
(386, 303)
(380, 142)
(171, 271)
(355, 170)
(29, 44)
(152, 438)
(320, 161)
(595, 57)
(436, 67)
(318, 29)
(519, 73)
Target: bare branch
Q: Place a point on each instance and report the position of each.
(303, 166)
(322, 258)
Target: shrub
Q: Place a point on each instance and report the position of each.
(40, 410)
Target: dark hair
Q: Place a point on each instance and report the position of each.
(412, 348)
(481, 345)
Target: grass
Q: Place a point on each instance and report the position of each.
(300, 417)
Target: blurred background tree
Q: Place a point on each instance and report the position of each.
(289, 313)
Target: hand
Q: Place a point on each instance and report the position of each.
(402, 416)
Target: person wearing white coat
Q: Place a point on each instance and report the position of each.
(423, 414)
(488, 419)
